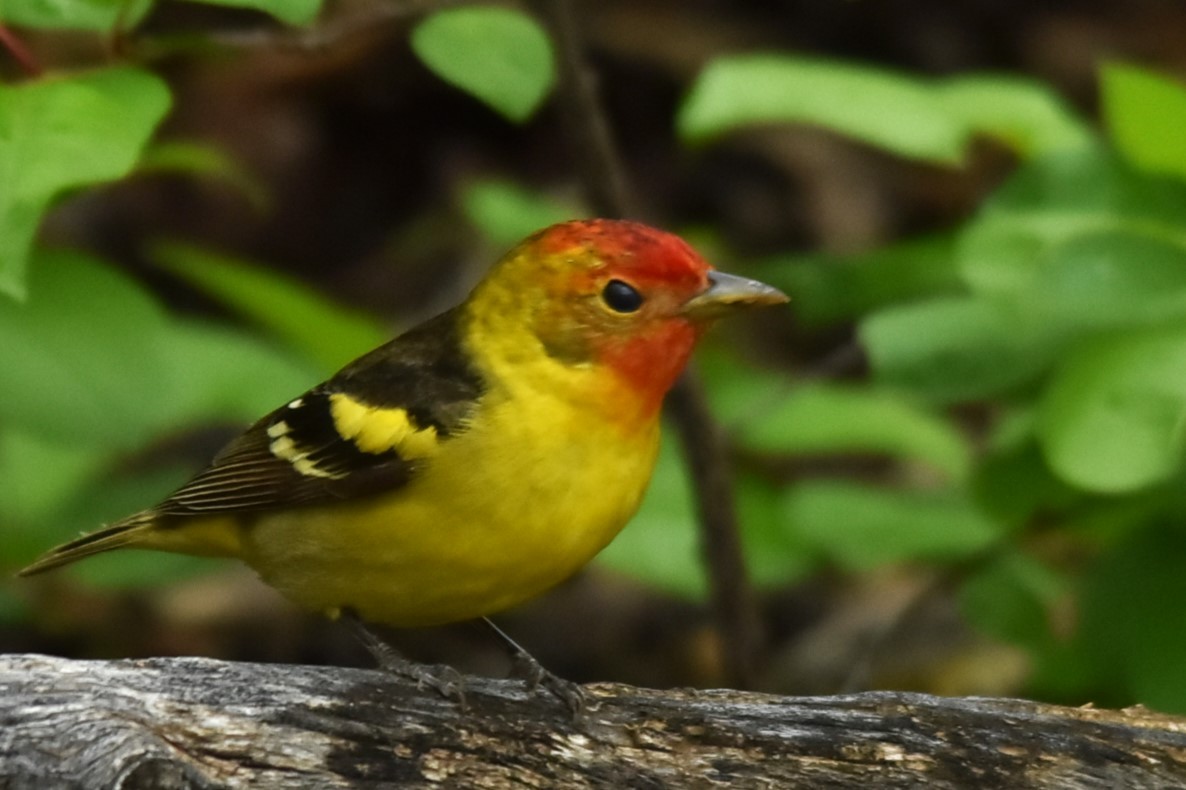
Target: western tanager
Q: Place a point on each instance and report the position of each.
(474, 461)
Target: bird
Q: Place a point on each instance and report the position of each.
(473, 462)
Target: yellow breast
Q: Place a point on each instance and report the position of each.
(512, 506)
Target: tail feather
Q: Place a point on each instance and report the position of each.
(116, 536)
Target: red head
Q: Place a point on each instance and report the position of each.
(614, 295)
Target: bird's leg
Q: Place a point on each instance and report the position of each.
(534, 673)
(442, 678)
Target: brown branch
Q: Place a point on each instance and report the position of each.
(200, 723)
(706, 448)
(19, 52)
(603, 174)
(701, 437)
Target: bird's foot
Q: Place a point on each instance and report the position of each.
(536, 676)
(441, 678)
(571, 694)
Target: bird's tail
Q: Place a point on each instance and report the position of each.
(124, 533)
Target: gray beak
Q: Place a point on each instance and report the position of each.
(728, 292)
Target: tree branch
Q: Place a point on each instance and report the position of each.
(702, 438)
(200, 723)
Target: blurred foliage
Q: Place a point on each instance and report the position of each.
(108, 15)
(1020, 426)
(330, 335)
(906, 115)
(500, 56)
(62, 133)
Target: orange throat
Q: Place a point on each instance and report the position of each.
(647, 365)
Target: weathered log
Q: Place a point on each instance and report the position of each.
(200, 723)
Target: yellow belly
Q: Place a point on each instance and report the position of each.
(500, 514)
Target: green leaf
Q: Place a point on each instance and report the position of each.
(832, 418)
(66, 358)
(1109, 279)
(1111, 419)
(203, 160)
(1052, 201)
(954, 349)
(507, 213)
(501, 56)
(861, 527)
(828, 288)
(1025, 115)
(893, 111)
(774, 555)
(1130, 602)
(211, 375)
(1015, 485)
(292, 12)
(329, 334)
(1011, 598)
(1145, 113)
(221, 374)
(904, 114)
(60, 133)
(38, 474)
(100, 15)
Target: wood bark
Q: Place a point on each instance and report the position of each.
(200, 723)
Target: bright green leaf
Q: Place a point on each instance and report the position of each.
(861, 527)
(904, 114)
(66, 356)
(1109, 279)
(499, 55)
(829, 288)
(1112, 417)
(897, 112)
(1146, 113)
(210, 376)
(38, 476)
(63, 132)
(949, 350)
(38, 473)
(1025, 115)
(99, 15)
(831, 418)
(220, 374)
(1051, 201)
(330, 334)
(506, 212)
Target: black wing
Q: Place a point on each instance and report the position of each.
(321, 448)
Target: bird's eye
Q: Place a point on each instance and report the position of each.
(621, 297)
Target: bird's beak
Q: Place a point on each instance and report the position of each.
(726, 293)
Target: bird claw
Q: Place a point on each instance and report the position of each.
(441, 678)
(535, 676)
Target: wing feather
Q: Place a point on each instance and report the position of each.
(367, 430)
